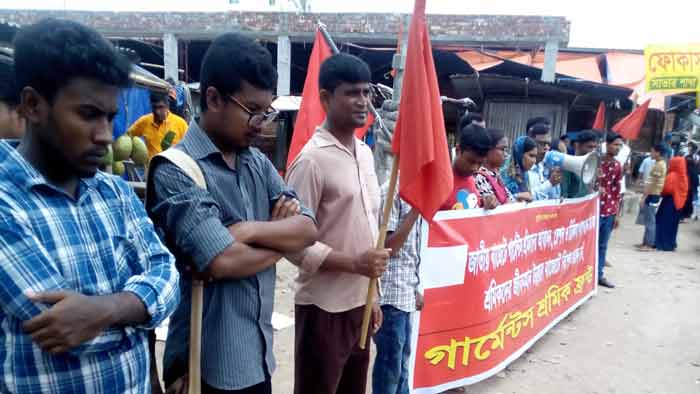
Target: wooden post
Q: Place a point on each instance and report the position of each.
(195, 363)
(372, 290)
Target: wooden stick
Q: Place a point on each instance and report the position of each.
(195, 364)
(372, 290)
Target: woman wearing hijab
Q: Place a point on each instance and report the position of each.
(669, 215)
(515, 174)
(488, 180)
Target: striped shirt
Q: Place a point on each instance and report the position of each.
(98, 243)
(400, 281)
(237, 320)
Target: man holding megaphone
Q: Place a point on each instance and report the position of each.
(580, 172)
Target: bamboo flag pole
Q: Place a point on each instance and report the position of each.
(372, 290)
(195, 362)
(399, 63)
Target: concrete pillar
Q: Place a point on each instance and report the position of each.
(170, 56)
(399, 61)
(284, 65)
(551, 49)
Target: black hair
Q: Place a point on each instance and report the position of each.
(660, 148)
(8, 93)
(555, 144)
(529, 144)
(564, 137)
(233, 58)
(343, 68)
(586, 136)
(495, 135)
(158, 97)
(476, 139)
(52, 52)
(612, 136)
(538, 129)
(469, 118)
(537, 120)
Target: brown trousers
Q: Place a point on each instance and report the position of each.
(327, 357)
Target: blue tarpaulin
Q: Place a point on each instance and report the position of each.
(133, 103)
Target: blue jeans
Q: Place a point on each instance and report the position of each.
(393, 340)
(604, 232)
(647, 218)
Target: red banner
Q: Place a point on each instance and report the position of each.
(495, 282)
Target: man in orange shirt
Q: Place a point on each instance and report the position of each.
(160, 129)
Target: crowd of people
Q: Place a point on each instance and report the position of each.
(670, 196)
(89, 270)
(487, 174)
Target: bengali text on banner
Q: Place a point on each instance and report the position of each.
(495, 282)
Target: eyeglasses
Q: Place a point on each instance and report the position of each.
(257, 119)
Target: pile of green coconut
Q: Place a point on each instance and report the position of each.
(123, 149)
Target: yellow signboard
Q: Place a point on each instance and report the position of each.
(672, 67)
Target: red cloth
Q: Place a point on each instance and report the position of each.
(467, 184)
(311, 113)
(629, 126)
(676, 183)
(609, 181)
(499, 188)
(599, 122)
(420, 141)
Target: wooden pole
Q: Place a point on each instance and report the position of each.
(195, 367)
(372, 290)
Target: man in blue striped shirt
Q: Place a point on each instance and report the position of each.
(83, 273)
(236, 230)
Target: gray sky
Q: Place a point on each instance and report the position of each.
(623, 24)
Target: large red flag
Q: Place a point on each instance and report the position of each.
(599, 122)
(630, 125)
(420, 142)
(311, 113)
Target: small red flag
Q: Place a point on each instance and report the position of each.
(420, 141)
(629, 126)
(311, 113)
(599, 122)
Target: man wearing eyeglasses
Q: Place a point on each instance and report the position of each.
(544, 182)
(234, 232)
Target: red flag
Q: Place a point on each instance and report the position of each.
(420, 142)
(599, 122)
(629, 126)
(311, 113)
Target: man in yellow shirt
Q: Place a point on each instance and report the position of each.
(160, 129)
